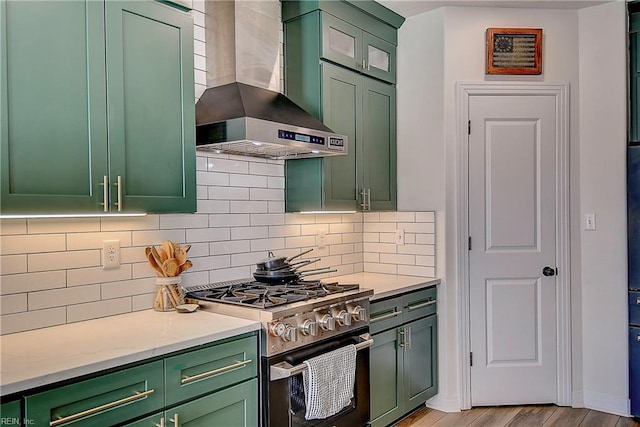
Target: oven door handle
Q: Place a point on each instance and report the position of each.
(285, 369)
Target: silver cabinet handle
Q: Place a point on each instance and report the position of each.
(363, 205)
(408, 337)
(421, 305)
(105, 193)
(385, 316)
(368, 199)
(638, 301)
(175, 420)
(119, 185)
(111, 405)
(638, 338)
(401, 338)
(161, 423)
(364, 65)
(285, 370)
(240, 364)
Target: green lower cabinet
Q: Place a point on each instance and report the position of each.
(420, 362)
(11, 414)
(150, 421)
(386, 380)
(106, 400)
(235, 406)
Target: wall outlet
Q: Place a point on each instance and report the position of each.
(110, 254)
(590, 221)
(399, 237)
(320, 239)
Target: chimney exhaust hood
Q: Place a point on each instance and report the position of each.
(243, 119)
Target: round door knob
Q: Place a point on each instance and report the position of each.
(549, 271)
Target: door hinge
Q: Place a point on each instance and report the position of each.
(471, 358)
(469, 242)
(469, 127)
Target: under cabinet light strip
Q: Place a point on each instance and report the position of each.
(72, 215)
(327, 212)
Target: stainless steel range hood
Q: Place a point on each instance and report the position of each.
(237, 118)
(242, 110)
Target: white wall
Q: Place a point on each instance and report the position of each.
(603, 116)
(439, 48)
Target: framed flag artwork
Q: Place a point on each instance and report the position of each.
(514, 51)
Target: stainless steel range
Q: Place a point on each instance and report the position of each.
(300, 319)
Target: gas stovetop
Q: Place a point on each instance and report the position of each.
(251, 293)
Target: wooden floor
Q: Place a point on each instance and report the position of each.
(517, 416)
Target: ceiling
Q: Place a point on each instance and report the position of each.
(408, 8)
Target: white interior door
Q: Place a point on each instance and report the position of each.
(512, 214)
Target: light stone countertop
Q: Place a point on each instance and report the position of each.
(386, 285)
(45, 356)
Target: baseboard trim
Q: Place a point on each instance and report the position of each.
(607, 403)
(441, 404)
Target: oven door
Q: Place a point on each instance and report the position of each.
(283, 381)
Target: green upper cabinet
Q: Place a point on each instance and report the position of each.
(634, 72)
(118, 106)
(53, 105)
(150, 93)
(352, 47)
(320, 78)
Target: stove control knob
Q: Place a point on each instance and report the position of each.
(278, 329)
(344, 318)
(290, 333)
(309, 327)
(327, 322)
(358, 313)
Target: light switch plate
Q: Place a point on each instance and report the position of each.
(399, 237)
(589, 221)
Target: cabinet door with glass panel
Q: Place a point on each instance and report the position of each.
(348, 45)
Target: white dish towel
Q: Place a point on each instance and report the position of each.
(328, 382)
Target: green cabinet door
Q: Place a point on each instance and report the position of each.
(235, 406)
(420, 362)
(106, 400)
(363, 109)
(379, 144)
(150, 86)
(52, 106)
(386, 378)
(11, 414)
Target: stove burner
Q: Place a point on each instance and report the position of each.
(263, 295)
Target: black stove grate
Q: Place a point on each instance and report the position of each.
(262, 295)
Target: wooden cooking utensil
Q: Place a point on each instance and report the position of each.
(171, 267)
(186, 247)
(187, 265)
(152, 262)
(156, 256)
(163, 254)
(168, 248)
(180, 255)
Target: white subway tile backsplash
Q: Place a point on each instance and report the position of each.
(198, 17)
(200, 63)
(230, 247)
(63, 296)
(270, 169)
(240, 233)
(266, 194)
(413, 270)
(208, 235)
(229, 220)
(63, 260)
(198, 33)
(199, 48)
(14, 303)
(397, 216)
(28, 320)
(127, 288)
(249, 206)
(87, 276)
(95, 310)
(200, 77)
(30, 282)
(79, 241)
(266, 245)
(267, 219)
(240, 219)
(214, 206)
(221, 164)
(184, 221)
(13, 226)
(248, 181)
(63, 225)
(228, 193)
(33, 243)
